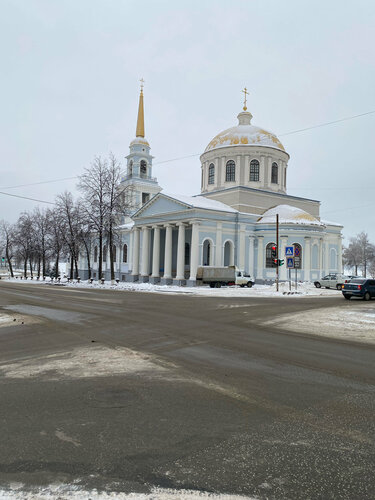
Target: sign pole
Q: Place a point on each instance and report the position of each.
(277, 251)
(296, 279)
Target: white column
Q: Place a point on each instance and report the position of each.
(339, 255)
(194, 250)
(241, 256)
(251, 255)
(260, 257)
(219, 245)
(130, 252)
(180, 274)
(156, 252)
(283, 269)
(326, 257)
(135, 266)
(168, 252)
(217, 173)
(306, 259)
(145, 251)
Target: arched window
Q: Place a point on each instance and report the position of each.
(143, 168)
(333, 259)
(269, 258)
(96, 254)
(228, 254)
(206, 253)
(130, 167)
(274, 173)
(230, 172)
(105, 253)
(125, 253)
(114, 253)
(211, 174)
(254, 170)
(314, 257)
(187, 254)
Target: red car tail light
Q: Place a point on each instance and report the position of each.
(359, 287)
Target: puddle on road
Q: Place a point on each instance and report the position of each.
(49, 313)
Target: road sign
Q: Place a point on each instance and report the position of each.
(297, 262)
(290, 262)
(289, 251)
(297, 251)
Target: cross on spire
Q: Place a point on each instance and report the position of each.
(142, 84)
(246, 94)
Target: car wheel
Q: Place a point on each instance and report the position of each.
(347, 297)
(212, 285)
(242, 286)
(338, 287)
(367, 296)
(249, 284)
(217, 285)
(317, 284)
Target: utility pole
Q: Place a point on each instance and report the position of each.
(277, 251)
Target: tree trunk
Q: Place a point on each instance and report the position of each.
(31, 267)
(100, 267)
(38, 271)
(88, 259)
(71, 266)
(25, 268)
(110, 241)
(9, 261)
(44, 263)
(76, 264)
(57, 264)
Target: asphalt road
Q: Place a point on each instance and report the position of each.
(126, 391)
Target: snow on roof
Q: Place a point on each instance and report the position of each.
(129, 225)
(289, 215)
(328, 223)
(201, 202)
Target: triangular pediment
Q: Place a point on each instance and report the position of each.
(161, 204)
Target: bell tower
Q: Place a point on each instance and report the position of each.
(138, 179)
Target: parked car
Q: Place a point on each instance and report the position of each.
(359, 287)
(333, 280)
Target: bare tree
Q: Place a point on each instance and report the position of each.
(69, 214)
(367, 251)
(93, 184)
(55, 236)
(7, 236)
(24, 239)
(352, 254)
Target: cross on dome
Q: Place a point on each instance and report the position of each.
(246, 94)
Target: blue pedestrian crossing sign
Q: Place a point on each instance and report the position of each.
(289, 251)
(290, 262)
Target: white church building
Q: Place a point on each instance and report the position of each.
(231, 222)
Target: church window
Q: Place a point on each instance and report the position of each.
(274, 173)
(125, 253)
(230, 173)
(131, 168)
(114, 253)
(96, 254)
(206, 253)
(145, 198)
(105, 253)
(285, 177)
(187, 254)
(211, 174)
(269, 259)
(254, 170)
(143, 168)
(228, 254)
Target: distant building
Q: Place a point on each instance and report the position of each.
(232, 221)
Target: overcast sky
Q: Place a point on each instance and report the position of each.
(69, 83)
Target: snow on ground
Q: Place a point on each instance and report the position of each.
(83, 363)
(303, 289)
(68, 492)
(354, 322)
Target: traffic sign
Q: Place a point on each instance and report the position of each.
(289, 262)
(289, 251)
(297, 251)
(297, 262)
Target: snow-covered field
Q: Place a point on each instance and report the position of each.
(303, 289)
(69, 492)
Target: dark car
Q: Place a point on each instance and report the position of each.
(359, 287)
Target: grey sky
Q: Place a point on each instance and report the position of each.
(70, 84)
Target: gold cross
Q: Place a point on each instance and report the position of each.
(142, 84)
(246, 94)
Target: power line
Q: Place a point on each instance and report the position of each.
(198, 154)
(26, 198)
